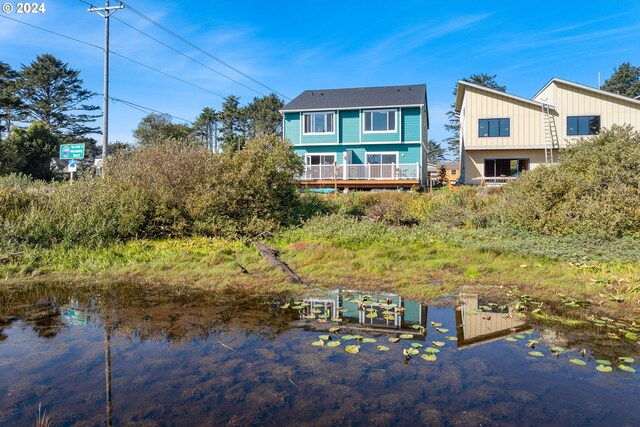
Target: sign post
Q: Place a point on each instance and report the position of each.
(72, 152)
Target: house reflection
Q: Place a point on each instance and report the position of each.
(480, 322)
(380, 312)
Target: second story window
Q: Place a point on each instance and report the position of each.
(318, 123)
(380, 121)
(491, 128)
(583, 125)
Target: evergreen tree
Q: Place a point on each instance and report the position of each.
(53, 94)
(232, 124)
(11, 106)
(263, 116)
(205, 128)
(435, 152)
(625, 80)
(453, 142)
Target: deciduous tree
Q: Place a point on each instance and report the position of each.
(156, 128)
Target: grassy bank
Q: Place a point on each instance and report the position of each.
(419, 262)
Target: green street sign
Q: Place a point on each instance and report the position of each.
(72, 151)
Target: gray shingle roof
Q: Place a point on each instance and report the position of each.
(385, 96)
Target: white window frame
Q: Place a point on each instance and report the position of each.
(307, 155)
(386, 110)
(395, 153)
(313, 113)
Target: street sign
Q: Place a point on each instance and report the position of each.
(72, 151)
(73, 165)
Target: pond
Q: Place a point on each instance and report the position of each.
(147, 356)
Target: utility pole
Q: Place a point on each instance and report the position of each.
(105, 12)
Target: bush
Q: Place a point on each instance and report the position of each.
(168, 189)
(595, 189)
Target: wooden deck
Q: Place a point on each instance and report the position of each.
(359, 183)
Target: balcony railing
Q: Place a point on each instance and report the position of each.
(393, 171)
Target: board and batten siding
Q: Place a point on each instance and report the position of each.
(410, 124)
(576, 101)
(526, 120)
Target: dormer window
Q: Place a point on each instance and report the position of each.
(380, 121)
(318, 123)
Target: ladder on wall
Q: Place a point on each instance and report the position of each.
(550, 133)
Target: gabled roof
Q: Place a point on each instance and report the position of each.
(463, 84)
(363, 97)
(589, 88)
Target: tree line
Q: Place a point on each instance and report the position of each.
(226, 130)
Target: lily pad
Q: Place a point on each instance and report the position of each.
(436, 324)
(603, 368)
(285, 306)
(416, 327)
(324, 337)
(626, 368)
(452, 338)
(520, 336)
(410, 351)
(603, 362)
(333, 343)
(394, 339)
(438, 343)
(318, 343)
(353, 349)
(406, 336)
(429, 357)
(536, 354)
(557, 349)
(431, 350)
(626, 359)
(577, 361)
(442, 330)
(512, 339)
(368, 340)
(416, 345)
(334, 329)
(348, 337)
(382, 348)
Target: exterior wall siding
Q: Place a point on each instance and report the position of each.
(575, 101)
(526, 121)
(349, 126)
(410, 124)
(292, 127)
(407, 153)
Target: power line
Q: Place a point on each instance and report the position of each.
(113, 53)
(146, 109)
(179, 37)
(187, 56)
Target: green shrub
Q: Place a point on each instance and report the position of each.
(594, 189)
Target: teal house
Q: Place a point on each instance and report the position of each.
(373, 137)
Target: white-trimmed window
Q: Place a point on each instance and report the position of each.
(320, 159)
(380, 121)
(318, 123)
(382, 158)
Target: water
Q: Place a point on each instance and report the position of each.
(180, 357)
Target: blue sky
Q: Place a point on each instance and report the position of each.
(295, 45)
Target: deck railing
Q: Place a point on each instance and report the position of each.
(393, 171)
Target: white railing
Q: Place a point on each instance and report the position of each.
(494, 181)
(393, 171)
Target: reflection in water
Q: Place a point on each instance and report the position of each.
(492, 321)
(138, 355)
